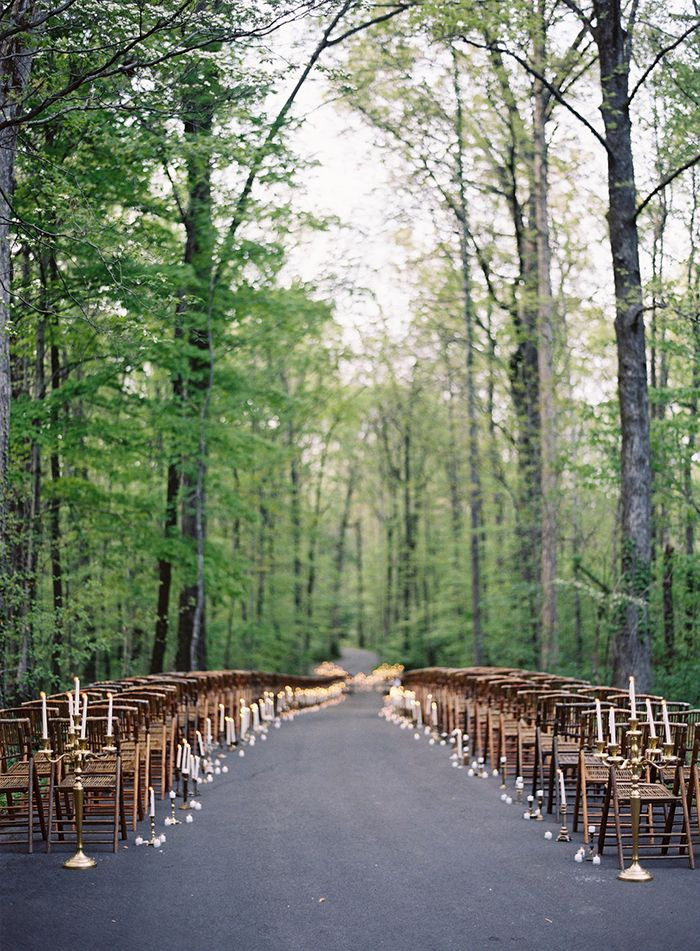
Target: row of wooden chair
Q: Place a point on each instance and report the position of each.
(528, 726)
(150, 717)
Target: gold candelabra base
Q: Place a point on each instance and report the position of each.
(80, 860)
(564, 830)
(635, 873)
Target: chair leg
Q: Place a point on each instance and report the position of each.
(51, 805)
(117, 798)
(602, 832)
(30, 806)
(39, 806)
(686, 820)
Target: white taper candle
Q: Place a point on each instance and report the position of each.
(44, 721)
(562, 787)
(667, 725)
(650, 718)
(633, 700)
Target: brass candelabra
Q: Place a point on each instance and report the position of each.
(75, 755)
(564, 830)
(636, 762)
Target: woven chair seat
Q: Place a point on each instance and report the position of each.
(601, 774)
(567, 759)
(90, 781)
(649, 792)
(104, 764)
(13, 782)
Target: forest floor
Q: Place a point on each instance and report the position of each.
(341, 833)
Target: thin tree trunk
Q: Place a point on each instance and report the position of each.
(313, 541)
(14, 76)
(361, 634)
(165, 572)
(475, 497)
(688, 488)
(669, 620)
(339, 564)
(549, 654)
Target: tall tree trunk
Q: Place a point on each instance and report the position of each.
(198, 105)
(49, 276)
(691, 580)
(14, 75)
(549, 653)
(632, 642)
(523, 367)
(475, 498)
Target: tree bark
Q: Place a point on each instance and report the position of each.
(475, 498)
(339, 564)
(549, 653)
(14, 75)
(165, 572)
(198, 107)
(632, 641)
(361, 634)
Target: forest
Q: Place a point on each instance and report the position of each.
(444, 406)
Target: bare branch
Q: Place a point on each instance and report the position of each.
(400, 8)
(545, 82)
(659, 56)
(666, 181)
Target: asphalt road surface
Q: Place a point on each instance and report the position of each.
(342, 833)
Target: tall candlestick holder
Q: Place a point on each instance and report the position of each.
(185, 804)
(590, 855)
(538, 816)
(152, 838)
(636, 762)
(564, 830)
(75, 756)
(174, 821)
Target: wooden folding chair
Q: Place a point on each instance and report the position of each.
(19, 790)
(658, 835)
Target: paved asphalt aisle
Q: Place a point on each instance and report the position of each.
(342, 833)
